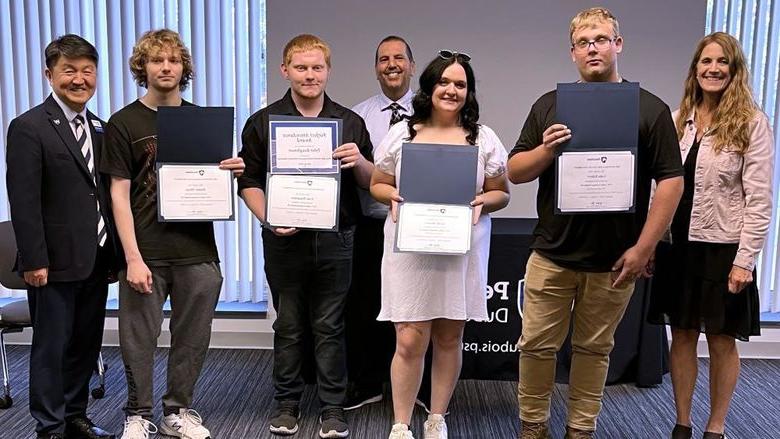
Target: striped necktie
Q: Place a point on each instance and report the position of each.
(85, 145)
(397, 116)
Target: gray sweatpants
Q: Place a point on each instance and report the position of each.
(194, 291)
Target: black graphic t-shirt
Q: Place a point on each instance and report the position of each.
(130, 152)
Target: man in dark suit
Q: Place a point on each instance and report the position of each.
(61, 217)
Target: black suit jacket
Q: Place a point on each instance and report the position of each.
(52, 195)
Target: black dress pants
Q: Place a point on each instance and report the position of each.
(68, 320)
(370, 343)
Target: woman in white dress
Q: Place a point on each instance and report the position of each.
(429, 298)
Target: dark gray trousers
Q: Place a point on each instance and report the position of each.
(194, 292)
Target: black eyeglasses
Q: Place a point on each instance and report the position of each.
(599, 44)
(449, 54)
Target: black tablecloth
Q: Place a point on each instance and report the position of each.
(640, 353)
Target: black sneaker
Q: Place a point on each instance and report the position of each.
(332, 423)
(358, 396)
(284, 421)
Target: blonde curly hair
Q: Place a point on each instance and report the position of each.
(151, 43)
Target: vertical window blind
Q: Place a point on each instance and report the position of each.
(227, 41)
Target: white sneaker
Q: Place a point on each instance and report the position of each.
(137, 427)
(435, 427)
(400, 431)
(186, 424)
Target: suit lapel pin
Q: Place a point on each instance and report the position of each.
(56, 121)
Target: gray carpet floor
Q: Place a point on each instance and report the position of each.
(235, 397)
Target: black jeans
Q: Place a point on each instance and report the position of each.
(309, 274)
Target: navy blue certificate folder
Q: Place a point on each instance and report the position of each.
(600, 115)
(192, 134)
(438, 174)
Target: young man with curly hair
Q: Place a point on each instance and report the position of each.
(176, 260)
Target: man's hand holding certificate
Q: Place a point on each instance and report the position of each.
(302, 190)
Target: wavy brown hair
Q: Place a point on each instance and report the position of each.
(736, 108)
(149, 45)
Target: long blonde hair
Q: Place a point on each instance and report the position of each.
(731, 121)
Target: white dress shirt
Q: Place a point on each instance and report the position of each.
(70, 115)
(376, 112)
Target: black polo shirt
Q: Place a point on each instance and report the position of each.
(594, 242)
(255, 150)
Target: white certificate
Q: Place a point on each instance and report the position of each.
(199, 192)
(595, 181)
(302, 201)
(304, 146)
(433, 228)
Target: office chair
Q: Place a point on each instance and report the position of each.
(15, 316)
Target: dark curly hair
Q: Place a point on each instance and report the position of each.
(423, 106)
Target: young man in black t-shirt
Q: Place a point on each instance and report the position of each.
(176, 259)
(309, 272)
(583, 267)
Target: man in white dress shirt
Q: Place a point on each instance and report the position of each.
(370, 344)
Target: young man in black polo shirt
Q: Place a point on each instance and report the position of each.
(583, 267)
(309, 272)
(177, 259)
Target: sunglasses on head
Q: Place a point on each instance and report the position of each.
(449, 54)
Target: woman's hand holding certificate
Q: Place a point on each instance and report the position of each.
(437, 183)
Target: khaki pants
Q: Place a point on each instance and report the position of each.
(553, 295)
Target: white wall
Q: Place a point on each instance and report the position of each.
(258, 334)
(520, 49)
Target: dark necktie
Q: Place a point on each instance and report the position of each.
(85, 146)
(396, 116)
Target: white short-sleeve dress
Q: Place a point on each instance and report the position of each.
(420, 287)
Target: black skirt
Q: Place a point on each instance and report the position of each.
(690, 291)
